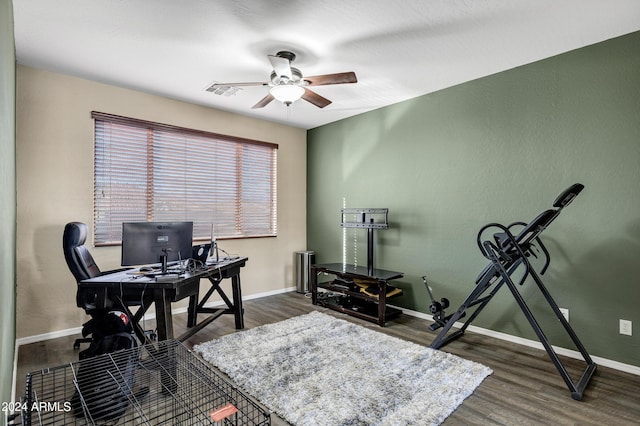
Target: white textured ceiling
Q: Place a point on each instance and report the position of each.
(399, 49)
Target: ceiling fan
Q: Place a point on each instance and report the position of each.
(288, 84)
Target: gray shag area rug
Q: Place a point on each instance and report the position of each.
(316, 369)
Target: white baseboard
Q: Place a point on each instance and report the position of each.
(150, 315)
(502, 336)
(78, 330)
(47, 336)
(627, 368)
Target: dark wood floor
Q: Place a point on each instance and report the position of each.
(524, 389)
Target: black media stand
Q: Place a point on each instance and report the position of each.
(349, 282)
(362, 290)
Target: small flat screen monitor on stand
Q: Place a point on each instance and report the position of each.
(145, 243)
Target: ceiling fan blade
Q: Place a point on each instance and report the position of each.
(253, 83)
(315, 99)
(281, 66)
(339, 78)
(264, 101)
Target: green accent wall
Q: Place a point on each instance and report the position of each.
(7, 200)
(500, 149)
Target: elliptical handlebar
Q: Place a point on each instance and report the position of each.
(506, 242)
(499, 241)
(566, 197)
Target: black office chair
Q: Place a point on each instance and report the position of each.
(83, 266)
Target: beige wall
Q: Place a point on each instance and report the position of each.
(55, 185)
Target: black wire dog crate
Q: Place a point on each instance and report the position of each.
(159, 383)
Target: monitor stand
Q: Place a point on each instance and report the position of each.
(163, 262)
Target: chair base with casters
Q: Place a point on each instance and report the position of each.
(149, 336)
(78, 342)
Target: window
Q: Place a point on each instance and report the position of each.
(147, 171)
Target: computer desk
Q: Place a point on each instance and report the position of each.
(116, 286)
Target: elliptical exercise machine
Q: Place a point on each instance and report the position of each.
(507, 255)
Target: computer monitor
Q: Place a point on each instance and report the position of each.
(145, 243)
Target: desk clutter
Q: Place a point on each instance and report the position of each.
(179, 269)
(160, 383)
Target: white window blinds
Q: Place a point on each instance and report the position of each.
(147, 171)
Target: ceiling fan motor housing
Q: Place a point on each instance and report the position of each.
(296, 77)
(287, 55)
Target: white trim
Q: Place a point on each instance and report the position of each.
(627, 368)
(47, 336)
(15, 376)
(150, 315)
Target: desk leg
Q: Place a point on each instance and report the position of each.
(101, 298)
(192, 312)
(237, 302)
(164, 321)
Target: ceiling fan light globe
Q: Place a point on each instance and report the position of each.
(286, 93)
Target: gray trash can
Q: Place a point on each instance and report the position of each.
(303, 262)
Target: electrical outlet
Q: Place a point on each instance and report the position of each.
(565, 313)
(625, 327)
